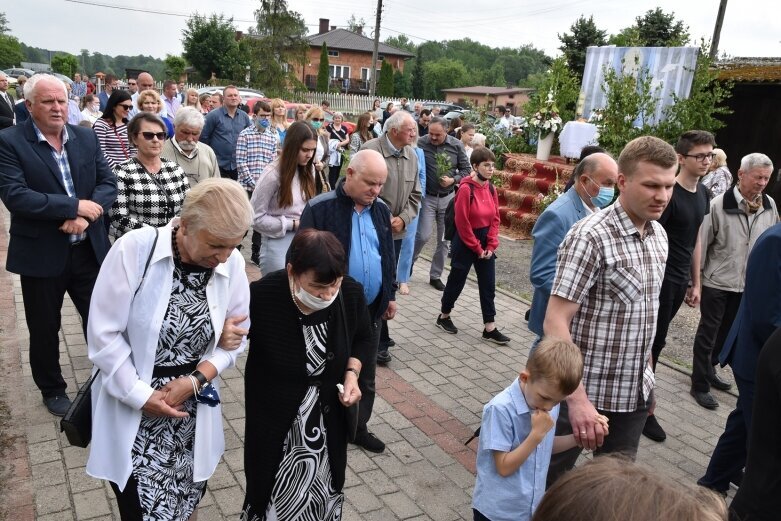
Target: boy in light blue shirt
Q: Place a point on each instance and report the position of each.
(516, 435)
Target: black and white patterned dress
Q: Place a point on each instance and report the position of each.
(146, 199)
(303, 488)
(162, 453)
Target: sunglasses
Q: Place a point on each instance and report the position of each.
(126, 107)
(318, 119)
(149, 136)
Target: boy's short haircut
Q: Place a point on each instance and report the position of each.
(648, 149)
(693, 138)
(480, 155)
(261, 105)
(558, 361)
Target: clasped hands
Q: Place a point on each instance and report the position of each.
(588, 426)
(86, 213)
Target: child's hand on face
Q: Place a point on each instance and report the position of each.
(541, 423)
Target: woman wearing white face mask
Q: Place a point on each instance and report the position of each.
(91, 108)
(309, 332)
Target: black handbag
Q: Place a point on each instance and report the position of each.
(77, 422)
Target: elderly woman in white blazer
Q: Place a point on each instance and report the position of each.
(159, 340)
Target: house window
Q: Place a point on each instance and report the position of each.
(365, 76)
(335, 54)
(339, 71)
(380, 57)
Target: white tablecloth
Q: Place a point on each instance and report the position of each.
(575, 136)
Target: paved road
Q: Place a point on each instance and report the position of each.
(430, 400)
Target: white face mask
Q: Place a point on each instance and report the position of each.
(311, 301)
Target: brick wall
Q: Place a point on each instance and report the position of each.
(355, 60)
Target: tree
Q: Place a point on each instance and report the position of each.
(278, 42)
(354, 25)
(401, 42)
(4, 27)
(402, 84)
(66, 64)
(584, 34)
(323, 70)
(385, 83)
(210, 46)
(10, 51)
(417, 75)
(659, 29)
(443, 74)
(174, 67)
(627, 37)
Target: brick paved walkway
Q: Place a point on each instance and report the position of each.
(430, 400)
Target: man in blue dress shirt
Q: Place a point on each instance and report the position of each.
(222, 129)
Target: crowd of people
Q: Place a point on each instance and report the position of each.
(338, 220)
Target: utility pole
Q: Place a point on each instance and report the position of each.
(714, 44)
(373, 72)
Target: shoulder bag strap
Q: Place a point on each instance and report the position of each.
(148, 261)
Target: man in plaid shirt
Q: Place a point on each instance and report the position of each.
(256, 147)
(605, 299)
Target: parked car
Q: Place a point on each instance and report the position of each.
(15, 72)
(244, 93)
(444, 107)
(57, 75)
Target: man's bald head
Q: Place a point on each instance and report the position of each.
(366, 175)
(145, 81)
(595, 171)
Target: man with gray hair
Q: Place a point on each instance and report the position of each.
(196, 159)
(6, 103)
(737, 218)
(362, 222)
(440, 188)
(401, 191)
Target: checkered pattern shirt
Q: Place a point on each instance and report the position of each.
(615, 275)
(61, 158)
(254, 150)
(145, 199)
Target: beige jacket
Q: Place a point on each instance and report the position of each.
(402, 188)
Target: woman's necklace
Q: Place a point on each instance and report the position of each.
(184, 278)
(295, 301)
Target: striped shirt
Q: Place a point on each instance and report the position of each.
(113, 141)
(615, 275)
(254, 150)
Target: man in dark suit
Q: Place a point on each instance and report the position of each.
(6, 103)
(57, 185)
(759, 315)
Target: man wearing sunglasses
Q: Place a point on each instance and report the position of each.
(57, 185)
(222, 129)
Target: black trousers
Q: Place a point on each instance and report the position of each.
(230, 174)
(670, 299)
(624, 438)
(462, 260)
(718, 309)
(256, 236)
(366, 381)
(384, 333)
(333, 174)
(43, 297)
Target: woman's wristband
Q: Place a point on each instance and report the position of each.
(353, 370)
(200, 378)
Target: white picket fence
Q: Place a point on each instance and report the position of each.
(351, 103)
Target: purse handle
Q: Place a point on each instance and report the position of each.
(148, 261)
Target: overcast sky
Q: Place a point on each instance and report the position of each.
(751, 27)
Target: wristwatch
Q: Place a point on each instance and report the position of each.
(202, 381)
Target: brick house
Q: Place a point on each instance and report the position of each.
(489, 97)
(349, 59)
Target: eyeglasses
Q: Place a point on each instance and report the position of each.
(126, 107)
(318, 119)
(700, 158)
(149, 136)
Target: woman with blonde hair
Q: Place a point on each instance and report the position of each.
(719, 178)
(151, 102)
(191, 99)
(279, 119)
(301, 113)
(315, 116)
(281, 193)
(169, 314)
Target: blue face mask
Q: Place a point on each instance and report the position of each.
(317, 124)
(604, 197)
(263, 122)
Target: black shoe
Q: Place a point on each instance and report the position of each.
(717, 383)
(705, 399)
(446, 325)
(437, 284)
(495, 336)
(57, 405)
(387, 343)
(255, 259)
(370, 442)
(383, 357)
(653, 430)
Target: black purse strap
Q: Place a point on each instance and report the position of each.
(344, 323)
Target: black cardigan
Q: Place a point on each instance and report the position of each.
(275, 378)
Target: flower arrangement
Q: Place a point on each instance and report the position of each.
(546, 120)
(444, 164)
